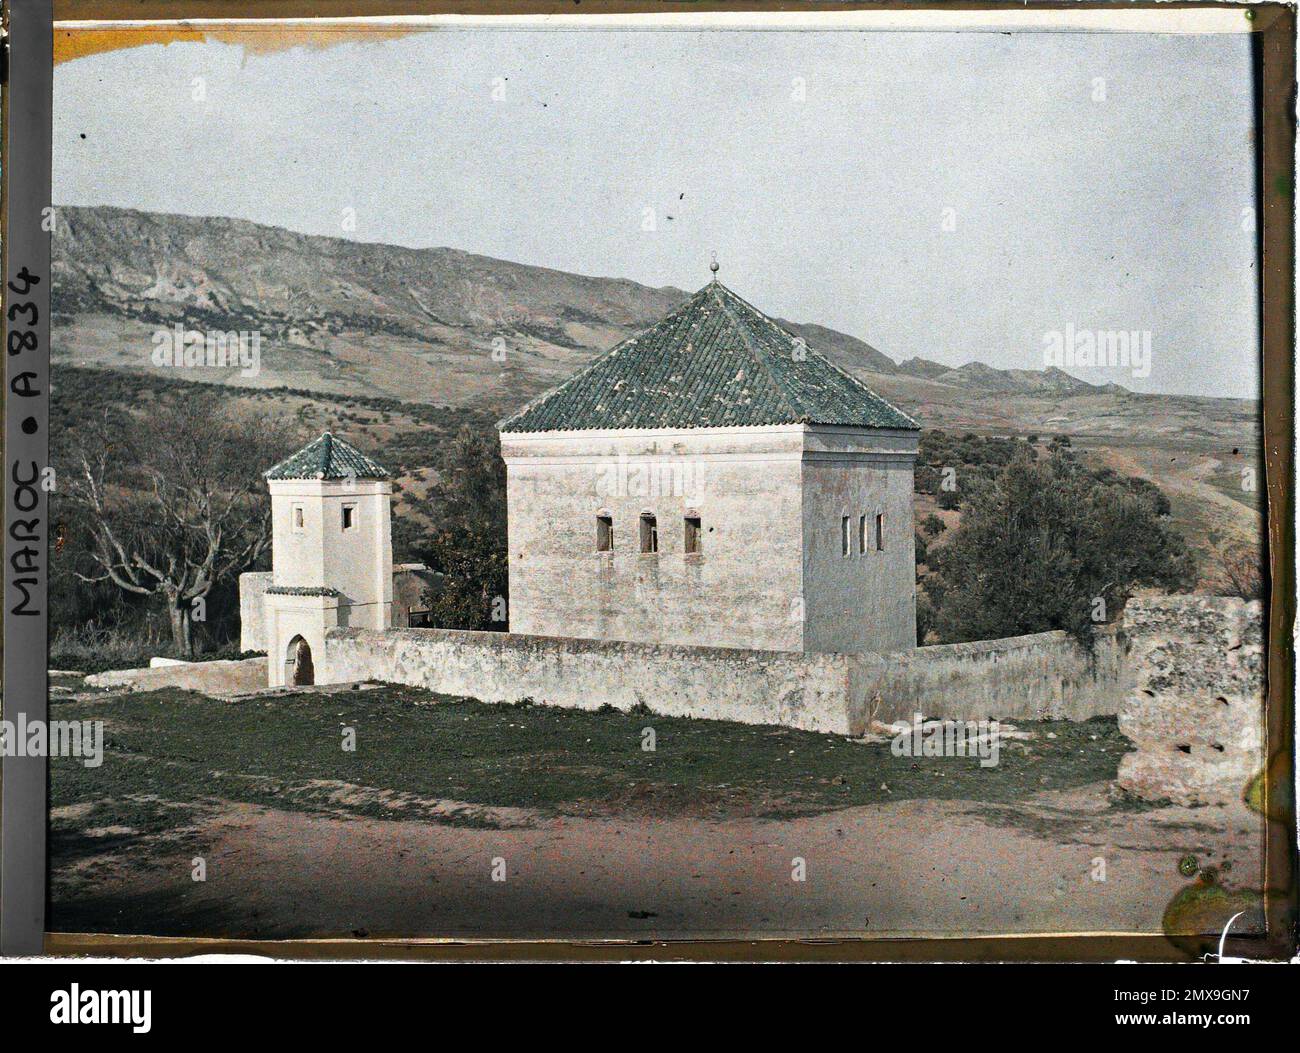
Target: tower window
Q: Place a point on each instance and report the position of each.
(604, 533)
(298, 519)
(349, 516)
(862, 534)
(880, 532)
(692, 545)
(649, 533)
(844, 536)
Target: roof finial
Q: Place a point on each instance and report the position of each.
(714, 266)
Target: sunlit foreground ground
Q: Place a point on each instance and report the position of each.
(452, 817)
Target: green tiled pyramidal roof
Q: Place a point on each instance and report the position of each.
(327, 458)
(715, 362)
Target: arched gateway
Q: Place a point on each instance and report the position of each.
(298, 670)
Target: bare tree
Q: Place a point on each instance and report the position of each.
(176, 503)
(1243, 572)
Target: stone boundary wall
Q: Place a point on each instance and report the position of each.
(809, 691)
(1048, 675)
(1044, 676)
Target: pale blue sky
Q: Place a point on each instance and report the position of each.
(1124, 212)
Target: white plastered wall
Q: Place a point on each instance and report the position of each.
(764, 498)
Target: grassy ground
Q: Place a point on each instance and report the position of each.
(87, 650)
(172, 757)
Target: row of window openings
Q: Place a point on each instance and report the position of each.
(649, 534)
(347, 520)
(846, 534)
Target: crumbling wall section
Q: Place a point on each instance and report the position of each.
(1196, 708)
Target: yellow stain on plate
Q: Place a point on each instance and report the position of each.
(79, 42)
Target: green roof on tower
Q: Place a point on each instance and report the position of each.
(715, 362)
(327, 458)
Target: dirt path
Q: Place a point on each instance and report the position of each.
(915, 867)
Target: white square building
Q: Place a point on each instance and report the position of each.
(713, 481)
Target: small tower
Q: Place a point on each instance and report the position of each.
(331, 555)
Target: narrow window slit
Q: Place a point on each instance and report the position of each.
(692, 536)
(649, 533)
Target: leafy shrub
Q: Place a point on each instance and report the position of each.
(1040, 543)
